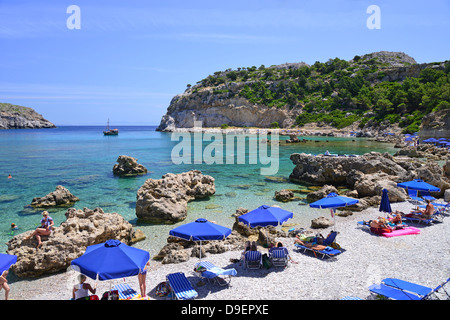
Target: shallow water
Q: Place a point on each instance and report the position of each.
(82, 158)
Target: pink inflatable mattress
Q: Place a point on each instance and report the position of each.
(402, 232)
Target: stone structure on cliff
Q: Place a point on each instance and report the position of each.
(367, 175)
(165, 200)
(68, 241)
(128, 166)
(61, 197)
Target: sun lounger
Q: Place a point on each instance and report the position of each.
(397, 289)
(279, 256)
(180, 286)
(325, 252)
(437, 216)
(125, 291)
(215, 274)
(253, 259)
(427, 196)
(414, 199)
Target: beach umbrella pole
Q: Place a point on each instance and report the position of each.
(334, 217)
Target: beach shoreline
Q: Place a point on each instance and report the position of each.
(367, 259)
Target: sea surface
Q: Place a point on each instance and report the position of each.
(81, 159)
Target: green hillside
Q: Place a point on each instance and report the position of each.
(378, 86)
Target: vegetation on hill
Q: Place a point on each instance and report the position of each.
(340, 92)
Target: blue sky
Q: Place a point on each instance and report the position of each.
(130, 58)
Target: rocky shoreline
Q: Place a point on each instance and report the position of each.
(366, 260)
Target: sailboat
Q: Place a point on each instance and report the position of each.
(110, 132)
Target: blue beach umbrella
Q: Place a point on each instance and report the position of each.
(385, 205)
(111, 260)
(200, 230)
(6, 261)
(419, 185)
(264, 216)
(333, 201)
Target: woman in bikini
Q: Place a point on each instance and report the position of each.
(45, 229)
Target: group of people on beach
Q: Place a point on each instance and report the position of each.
(394, 221)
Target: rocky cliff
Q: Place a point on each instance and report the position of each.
(436, 125)
(259, 97)
(18, 117)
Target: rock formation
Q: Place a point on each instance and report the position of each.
(127, 166)
(18, 117)
(284, 195)
(435, 125)
(61, 197)
(81, 229)
(165, 200)
(367, 175)
(428, 151)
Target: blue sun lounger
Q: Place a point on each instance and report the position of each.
(327, 252)
(253, 259)
(397, 289)
(413, 197)
(427, 196)
(279, 256)
(180, 286)
(216, 274)
(125, 291)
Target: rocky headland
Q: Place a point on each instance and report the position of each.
(18, 117)
(275, 96)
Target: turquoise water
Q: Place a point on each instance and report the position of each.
(82, 158)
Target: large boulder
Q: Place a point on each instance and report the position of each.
(128, 166)
(69, 241)
(61, 197)
(165, 200)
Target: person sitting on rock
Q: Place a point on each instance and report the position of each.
(45, 229)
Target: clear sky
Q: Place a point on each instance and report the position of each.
(130, 57)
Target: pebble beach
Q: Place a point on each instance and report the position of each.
(367, 259)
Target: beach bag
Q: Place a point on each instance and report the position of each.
(162, 290)
(335, 245)
(266, 261)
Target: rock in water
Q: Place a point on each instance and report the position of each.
(128, 166)
(69, 241)
(60, 197)
(165, 200)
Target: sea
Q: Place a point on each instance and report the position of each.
(81, 159)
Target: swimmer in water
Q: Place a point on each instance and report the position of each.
(10, 176)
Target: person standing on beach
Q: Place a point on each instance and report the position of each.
(142, 276)
(4, 283)
(45, 229)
